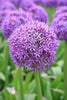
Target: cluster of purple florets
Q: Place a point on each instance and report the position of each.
(51, 3)
(31, 42)
(28, 6)
(38, 13)
(60, 10)
(33, 45)
(8, 5)
(3, 14)
(14, 20)
(59, 24)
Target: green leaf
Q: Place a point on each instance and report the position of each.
(32, 87)
(1, 63)
(16, 80)
(6, 94)
(5, 62)
(46, 88)
(30, 96)
(27, 81)
(2, 77)
(61, 86)
(60, 51)
(58, 69)
(57, 81)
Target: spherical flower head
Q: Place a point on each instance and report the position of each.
(13, 21)
(38, 13)
(33, 45)
(16, 2)
(3, 14)
(49, 3)
(38, 1)
(8, 6)
(26, 4)
(62, 2)
(2, 2)
(59, 26)
(60, 10)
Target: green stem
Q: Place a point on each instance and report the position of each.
(5, 63)
(38, 85)
(65, 71)
(11, 97)
(21, 84)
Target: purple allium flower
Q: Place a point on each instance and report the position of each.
(16, 2)
(3, 14)
(49, 3)
(38, 1)
(8, 6)
(62, 2)
(13, 21)
(59, 26)
(2, 2)
(60, 10)
(26, 4)
(33, 45)
(38, 13)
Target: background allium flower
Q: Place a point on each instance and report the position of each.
(3, 14)
(38, 13)
(2, 2)
(16, 2)
(26, 4)
(49, 3)
(8, 6)
(13, 21)
(38, 1)
(60, 10)
(33, 45)
(62, 2)
(59, 26)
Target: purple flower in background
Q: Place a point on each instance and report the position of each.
(60, 10)
(38, 13)
(13, 21)
(38, 1)
(33, 45)
(2, 2)
(16, 2)
(26, 4)
(49, 3)
(59, 26)
(8, 6)
(62, 2)
(3, 14)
